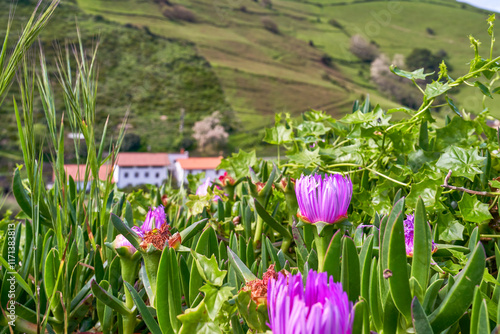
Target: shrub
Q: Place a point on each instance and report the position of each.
(430, 31)
(335, 23)
(424, 58)
(180, 13)
(209, 133)
(267, 3)
(270, 25)
(363, 49)
(327, 60)
(243, 9)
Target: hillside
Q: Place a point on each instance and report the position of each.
(155, 64)
(262, 72)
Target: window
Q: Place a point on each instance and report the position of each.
(125, 175)
(157, 175)
(146, 174)
(136, 174)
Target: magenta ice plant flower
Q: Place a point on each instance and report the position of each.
(202, 189)
(154, 221)
(409, 227)
(323, 198)
(321, 308)
(120, 241)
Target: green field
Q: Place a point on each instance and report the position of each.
(154, 66)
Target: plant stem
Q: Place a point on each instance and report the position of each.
(258, 232)
(129, 270)
(322, 240)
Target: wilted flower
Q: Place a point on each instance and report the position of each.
(409, 225)
(322, 308)
(155, 219)
(258, 287)
(226, 180)
(120, 241)
(323, 199)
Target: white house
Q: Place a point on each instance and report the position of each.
(184, 167)
(173, 157)
(136, 168)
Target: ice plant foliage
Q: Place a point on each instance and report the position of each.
(323, 198)
(321, 308)
(409, 225)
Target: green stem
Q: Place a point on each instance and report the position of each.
(129, 271)
(258, 232)
(322, 238)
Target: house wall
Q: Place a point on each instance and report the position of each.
(182, 174)
(172, 157)
(134, 176)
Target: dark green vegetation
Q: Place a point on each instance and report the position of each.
(149, 76)
(157, 57)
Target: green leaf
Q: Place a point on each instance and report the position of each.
(18, 277)
(483, 89)
(457, 132)
(109, 299)
(215, 298)
(196, 320)
(126, 231)
(314, 129)
(435, 89)
(453, 107)
(428, 190)
(420, 321)
(350, 274)
(463, 162)
(473, 210)
(269, 220)
(449, 228)
(459, 297)
(241, 270)
(192, 230)
(209, 269)
(422, 246)
(376, 311)
(143, 310)
(332, 256)
(255, 316)
(278, 135)
(398, 281)
(239, 163)
(415, 75)
(306, 157)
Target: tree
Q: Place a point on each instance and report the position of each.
(210, 134)
(363, 49)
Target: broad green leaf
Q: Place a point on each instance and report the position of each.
(428, 190)
(215, 298)
(306, 157)
(196, 320)
(332, 256)
(209, 269)
(238, 163)
(255, 316)
(473, 210)
(457, 132)
(278, 135)
(241, 270)
(415, 75)
(435, 89)
(463, 162)
(449, 228)
(308, 128)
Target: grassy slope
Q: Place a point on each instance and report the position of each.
(151, 76)
(263, 73)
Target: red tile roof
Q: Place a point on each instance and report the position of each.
(200, 163)
(142, 159)
(77, 172)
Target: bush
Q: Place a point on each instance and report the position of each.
(180, 13)
(424, 58)
(327, 60)
(364, 50)
(267, 3)
(270, 25)
(335, 23)
(430, 31)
